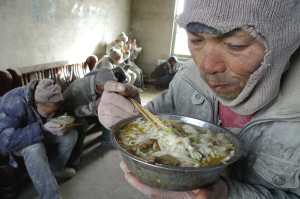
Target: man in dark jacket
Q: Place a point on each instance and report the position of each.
(25, 130)
(164, 73)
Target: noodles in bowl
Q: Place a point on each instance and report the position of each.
(64, 120)
(186, 147)
(172, 161)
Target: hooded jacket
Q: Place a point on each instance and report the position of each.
(80, 97)
(273, 23)
(271, 158)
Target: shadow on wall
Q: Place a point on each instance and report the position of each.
(100, 49)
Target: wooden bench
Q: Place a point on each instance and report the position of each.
(64, 73)
(6, 82)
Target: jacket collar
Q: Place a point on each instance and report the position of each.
(30, 89)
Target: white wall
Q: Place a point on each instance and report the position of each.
(42, 31)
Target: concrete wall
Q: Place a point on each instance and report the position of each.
(152, 24)
(42, 31)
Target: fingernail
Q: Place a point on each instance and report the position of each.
(120, 88)
(127, 177)
(121, 164)
(134, 112)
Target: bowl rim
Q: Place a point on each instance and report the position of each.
(239, 149)
(63, 116)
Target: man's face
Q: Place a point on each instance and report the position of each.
(100, 89)
(174, 63)
(226, 61)
(47, 111)
(122, 42)
(117, 61)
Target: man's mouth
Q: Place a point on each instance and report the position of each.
(219, 87)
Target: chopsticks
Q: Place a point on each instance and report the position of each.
(150, 116)
(74, 124)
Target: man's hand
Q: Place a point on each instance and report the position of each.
(114, 105)
(218, 190)
(55, 128)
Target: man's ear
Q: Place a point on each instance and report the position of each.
(36, 103)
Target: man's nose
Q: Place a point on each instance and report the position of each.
(213, 59)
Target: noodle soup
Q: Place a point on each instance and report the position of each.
(188, 146)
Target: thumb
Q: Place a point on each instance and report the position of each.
(205, 194)
(62, 127)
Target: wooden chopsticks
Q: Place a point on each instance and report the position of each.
(147, 114)
(74, 124)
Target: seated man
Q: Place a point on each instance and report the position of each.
(111, 60)
(120, 43)
(81, 99)
(163, 74)
(243, 76)
(25, 131)
(134, 51)
(131, 76)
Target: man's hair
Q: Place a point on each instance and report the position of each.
(199, 27)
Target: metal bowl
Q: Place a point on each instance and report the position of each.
(176, 178)
(66, 116)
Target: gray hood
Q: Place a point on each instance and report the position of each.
(274, 23)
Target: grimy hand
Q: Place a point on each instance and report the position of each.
(55, 128)
(218, 190)
(114, 105)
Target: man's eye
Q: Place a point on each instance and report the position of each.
(195, 41)
(236, 47)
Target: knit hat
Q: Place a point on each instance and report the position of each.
(104, 74)
(275, 24)
(115, 53)
(48, 91)
(122, 36)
